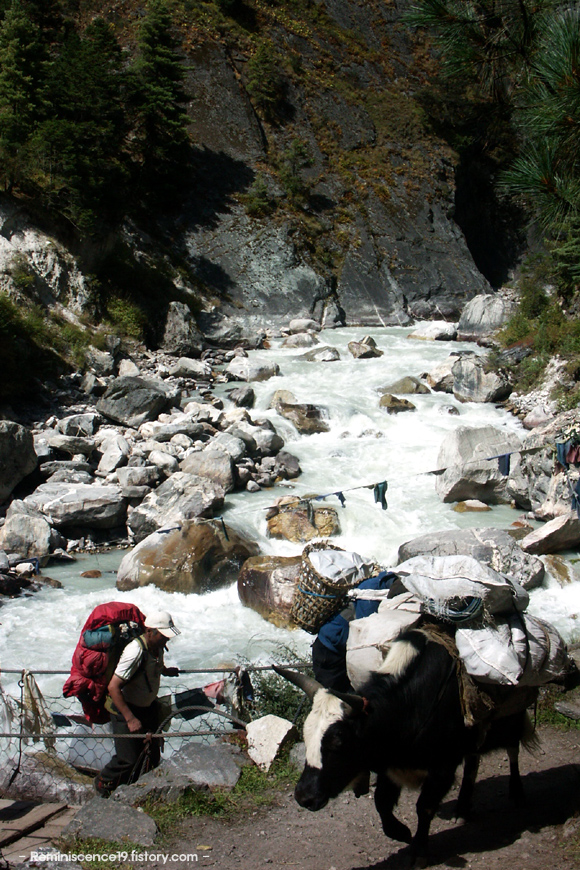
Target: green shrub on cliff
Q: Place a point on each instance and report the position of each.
(265, 83)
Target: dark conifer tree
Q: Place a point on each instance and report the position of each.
(160, 144)
(21, 64)
(79, 144)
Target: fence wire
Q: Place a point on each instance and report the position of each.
(49, 752)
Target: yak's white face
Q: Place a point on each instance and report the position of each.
(326, 710)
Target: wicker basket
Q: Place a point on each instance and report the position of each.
(317, 598)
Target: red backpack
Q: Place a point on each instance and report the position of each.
(104, 635)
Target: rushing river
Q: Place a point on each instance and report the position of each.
(364, 446)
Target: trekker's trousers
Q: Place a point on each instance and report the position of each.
(133, 757)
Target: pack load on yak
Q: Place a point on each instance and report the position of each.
(497, 640)
(105, 634)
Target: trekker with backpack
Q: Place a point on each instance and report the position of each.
(133, 706)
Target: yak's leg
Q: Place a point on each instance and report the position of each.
(516, 788)
(470, 768)
(433, 791)
(386, 797)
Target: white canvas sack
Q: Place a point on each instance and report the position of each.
(369, 638)
(440, 579)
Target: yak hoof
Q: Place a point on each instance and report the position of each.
(418, 862)
(396, 830)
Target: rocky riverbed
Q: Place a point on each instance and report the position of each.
(143, 448)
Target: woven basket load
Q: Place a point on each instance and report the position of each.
(318, 598)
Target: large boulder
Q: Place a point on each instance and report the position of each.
(267, 584)
(300, 521)
(181, 335)
(132, 401)
(494, 547)
(265, 438)
(43, 776)
(303, 324)
(177, 424)
(405, 386)
(191, 368)
(215, 464)
(195, 767)
(366, 348)
(440, 378)
(300, 339)
(472, 383)
(483, 315)
(28, 531)
(115, 450)
(243, 369)
(561, 533)
(394, 405)
(90, 506)
(72, 445)
(181, 497)
(80, 425)
(468, 474)
(321, 354)
(113, 822)
(307, 418)
(192, 557)
(17, 456)
(436, 330)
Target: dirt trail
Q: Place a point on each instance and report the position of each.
(346, 835)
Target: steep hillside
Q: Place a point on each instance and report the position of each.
(313, 177)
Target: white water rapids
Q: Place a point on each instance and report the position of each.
(365, 445)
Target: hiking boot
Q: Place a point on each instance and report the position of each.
(103, 789)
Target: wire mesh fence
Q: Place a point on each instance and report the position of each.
(50, 752)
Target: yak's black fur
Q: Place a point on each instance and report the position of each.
(412, 723)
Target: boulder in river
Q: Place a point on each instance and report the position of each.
(192, 557)
(300, 521)
(406, 386)
(494, 547)
(436, 330)
(300, 339)
(303, 324)
(243, 369)
(321, 354)
(28, 531)
(366, 348)
(394, 405)
(472, 383)
(468, 473)
(440, 378)
(267, 584)
(307, 418)
(181, 497)
(561, 533)
(80, 504)
(483, 315)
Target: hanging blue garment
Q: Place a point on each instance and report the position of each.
(380, 490)
(341, 498)
(503, 464)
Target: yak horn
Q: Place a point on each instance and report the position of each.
(304, 682)
(356, 702)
